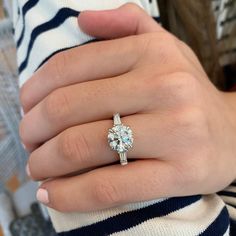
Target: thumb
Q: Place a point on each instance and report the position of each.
(126, 20)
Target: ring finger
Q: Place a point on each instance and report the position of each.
(83, 103)
(85, 146)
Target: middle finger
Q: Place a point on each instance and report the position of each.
(83, 103)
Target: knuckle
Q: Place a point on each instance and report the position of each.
(191, 124)
(156, 45)
(187, 50)
(106, 193)
(75, 147)
(183, 87)
(181, 81)
(134, 8)
(187, 78)
(190, 117)
(166, 48)
(58, 65)
(57, 106)
(177, 89)
(143, 45)
(165, 39)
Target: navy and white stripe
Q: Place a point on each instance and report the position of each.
(35, 26)
(30, 4)
(44, 28)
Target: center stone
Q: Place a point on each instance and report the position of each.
(120, 138)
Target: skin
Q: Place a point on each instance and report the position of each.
(184, 128)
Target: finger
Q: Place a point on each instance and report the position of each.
(86, 146)
(82, 103)
(127, 20)
(99, 100)
(114, 185)
(89, 62)
(74, 65)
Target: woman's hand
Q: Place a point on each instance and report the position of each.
(184, 128)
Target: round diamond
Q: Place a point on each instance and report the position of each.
(120, 138)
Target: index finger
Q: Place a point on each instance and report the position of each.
(77, 65)
(81, 64)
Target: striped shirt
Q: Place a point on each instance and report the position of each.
(37, 23)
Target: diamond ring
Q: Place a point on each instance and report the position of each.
(120, 138)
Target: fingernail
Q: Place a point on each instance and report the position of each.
(22, 112)
(23, 145)
(42, 196)
(27, 169)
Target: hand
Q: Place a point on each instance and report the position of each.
(184, 129)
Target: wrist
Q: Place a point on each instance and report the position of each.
(230, 101)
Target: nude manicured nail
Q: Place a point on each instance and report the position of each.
(42, 196)
(27, 169)
(22, 112)
(23, 145)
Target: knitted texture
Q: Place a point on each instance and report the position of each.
(12, 155)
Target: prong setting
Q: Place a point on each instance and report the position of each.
(120, 138)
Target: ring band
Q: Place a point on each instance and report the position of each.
(120, 138)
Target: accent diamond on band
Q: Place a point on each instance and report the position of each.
(120, 139)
